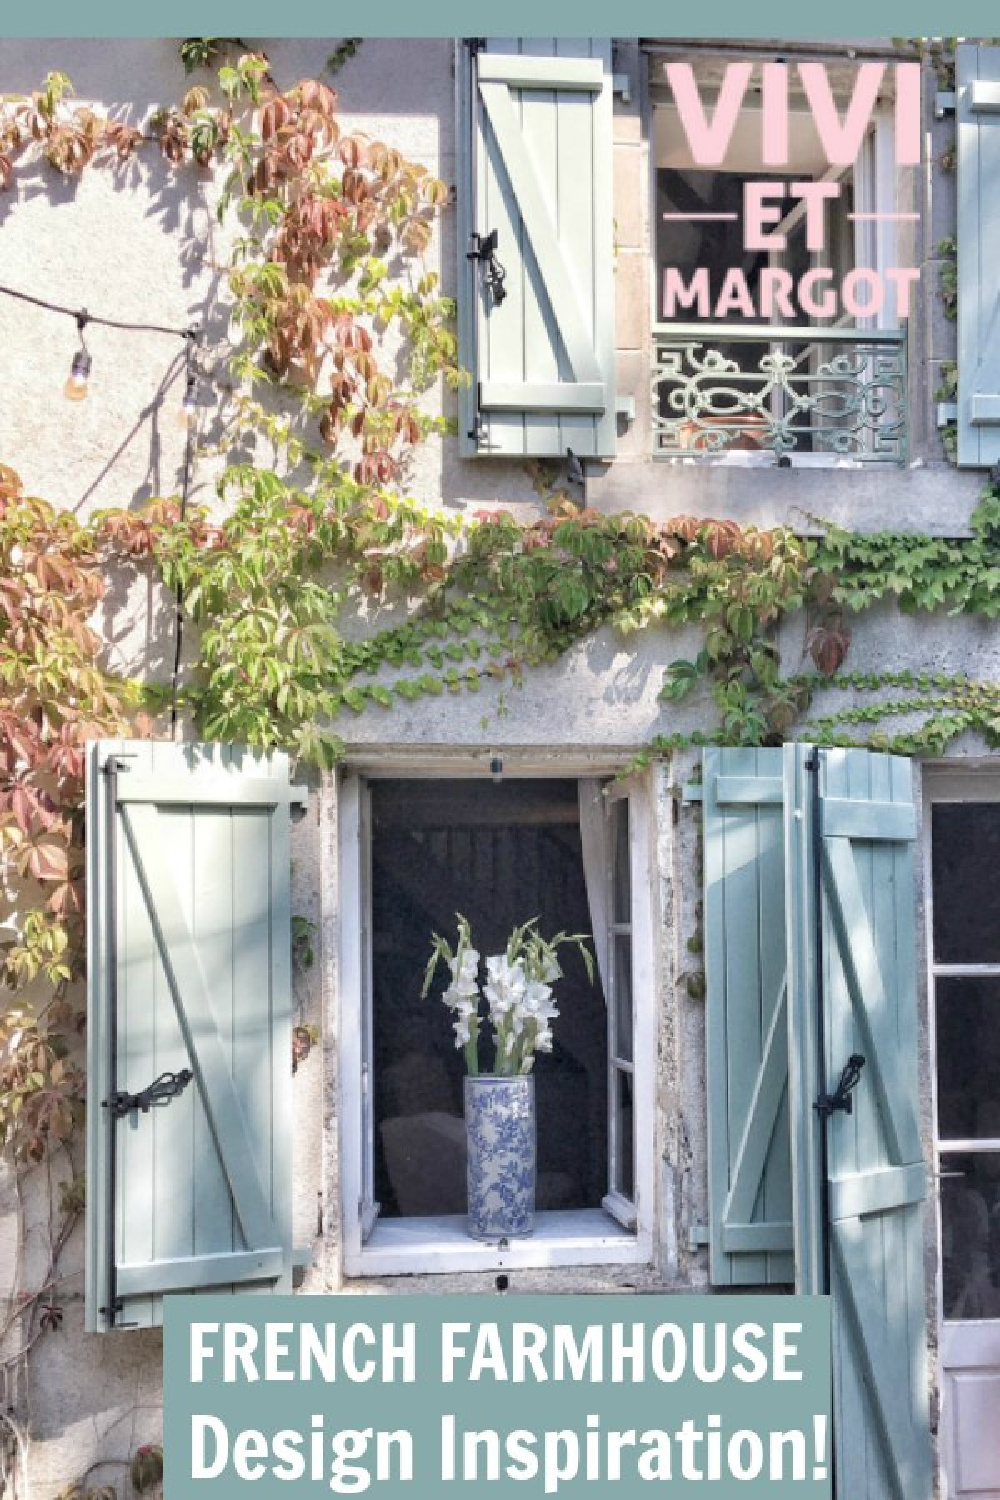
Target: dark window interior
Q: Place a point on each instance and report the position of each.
(966, 858)
(715, 244)
(500, 853)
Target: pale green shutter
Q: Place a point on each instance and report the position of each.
(188, 969)
(747, 1038)
(864, 955)
(977, 85)
(535, 132)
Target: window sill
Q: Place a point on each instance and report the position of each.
(579, 1237)
(741, 459)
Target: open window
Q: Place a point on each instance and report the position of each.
(416, 852)
(741, 370)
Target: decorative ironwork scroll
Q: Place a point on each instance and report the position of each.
(835, 391)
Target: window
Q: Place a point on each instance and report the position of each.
(965, 975)
(962, 815)
(574, 853)
(727, 383)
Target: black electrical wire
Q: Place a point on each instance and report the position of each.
(82, 317)
(179, 595)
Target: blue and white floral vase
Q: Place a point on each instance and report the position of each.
(500, 1129)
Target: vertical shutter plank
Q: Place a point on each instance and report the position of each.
(544, 360)
(501, 340)
(577, 172)
(978, 140)
(145, 1020)
(274, 893)
(212, 919)
(808, 1186)
(776, 1205)
(173, 1132)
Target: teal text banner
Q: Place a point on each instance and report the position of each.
(725, 19)
(514, 1395)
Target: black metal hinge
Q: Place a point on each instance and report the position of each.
(483, 247)
(827, 1104)
(477, 432)
(168, 1086)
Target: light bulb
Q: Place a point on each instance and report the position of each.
(188, 413)
(75, 388)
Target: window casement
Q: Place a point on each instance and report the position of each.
(963, 816)
(577, 853)
(962, 844)
(741, 373)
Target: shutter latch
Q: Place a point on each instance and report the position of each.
(483, 247)
(826, 1104)
(168, 1086)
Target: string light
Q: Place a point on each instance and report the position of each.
(77, 383)
(188, 413)
(75, 388)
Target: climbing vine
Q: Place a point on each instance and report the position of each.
(326, 286)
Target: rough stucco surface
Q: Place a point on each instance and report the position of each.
(143, 245)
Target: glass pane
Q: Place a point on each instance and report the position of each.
(624, 1171)
(970, 1235)
(621, 873)
(966, 856)
(623, 996)
(968, 1049)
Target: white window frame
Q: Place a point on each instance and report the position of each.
(569, 1237)
(977, 782)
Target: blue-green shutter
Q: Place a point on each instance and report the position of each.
(188, 969)
(864, 952)
(750, 1188)
(977, 83)
(535, 165)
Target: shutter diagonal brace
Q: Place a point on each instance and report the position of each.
(192, 1002)
(762, 1117)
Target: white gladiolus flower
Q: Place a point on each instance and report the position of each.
(536, 995)
(543, 1040)
(463, 1030)
(465, 966)
(506, 987)
(462, 988)
(460, 994)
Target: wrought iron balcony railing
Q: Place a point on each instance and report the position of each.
(724, 387)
